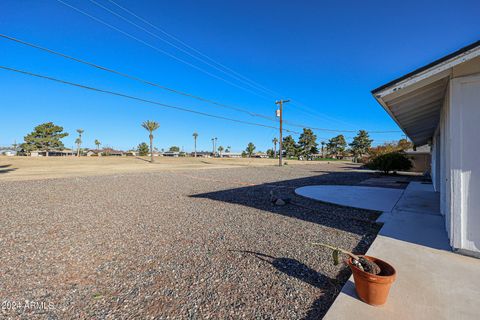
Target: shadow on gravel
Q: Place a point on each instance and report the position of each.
(330, 215)
(5, 168)
(330, 287)
(352, 220)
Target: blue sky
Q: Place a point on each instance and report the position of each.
(328, 55)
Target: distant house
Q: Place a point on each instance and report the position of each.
(111, 152)
(231, 155)
(174, 154)
(8, 152)
(52, 153)
(421, 158)
(202, 154)
(133, 153)
(262, 155)
(91, 153)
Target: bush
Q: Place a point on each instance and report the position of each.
(394, 161)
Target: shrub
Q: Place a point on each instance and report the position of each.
(394, 161)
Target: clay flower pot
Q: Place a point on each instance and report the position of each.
(370, 288)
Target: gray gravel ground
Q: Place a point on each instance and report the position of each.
(203, 244)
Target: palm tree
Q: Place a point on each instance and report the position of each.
(78, 141)
(220, 149)
(195, 136)
(97, 143)
(275, 141)
(151, 126)
(323, 145)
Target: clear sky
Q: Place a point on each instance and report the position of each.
(328, 55)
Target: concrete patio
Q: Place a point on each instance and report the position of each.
(432, 281)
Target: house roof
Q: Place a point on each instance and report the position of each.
(428, 66)
(414, 101)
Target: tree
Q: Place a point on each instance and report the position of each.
(389, 147)
(361, 144)
(404, 144)
(250, 149)
(307, 143)
(220, 150)
(174, 149)
(45, 137)
(271, 153)
(142, 149)
(337, 145)
(290, 146)
(97, 143)
(78, 141)
(195, 136)
(227, 150)
(151, 126)
(323, 146)
(393, 161)
(275, 141)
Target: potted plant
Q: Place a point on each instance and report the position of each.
(373, 277)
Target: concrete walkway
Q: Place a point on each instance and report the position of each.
(432, 282)
(373, 198)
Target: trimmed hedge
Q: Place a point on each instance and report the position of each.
(390, 162)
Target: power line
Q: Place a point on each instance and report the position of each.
(175, 46)
(163, 51)
(192, 48)
(91, 64)
(135, 78)
(159, 50)
(301, 106)
(138, 99)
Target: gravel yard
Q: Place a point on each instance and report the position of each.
(186, 244)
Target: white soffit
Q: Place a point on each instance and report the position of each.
(415, 100)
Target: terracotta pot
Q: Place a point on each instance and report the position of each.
(370, 288)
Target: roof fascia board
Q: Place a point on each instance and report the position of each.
(433, 71)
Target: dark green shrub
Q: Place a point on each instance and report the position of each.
(390, 162)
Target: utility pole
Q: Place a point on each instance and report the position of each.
(280, 115)
(213, 147)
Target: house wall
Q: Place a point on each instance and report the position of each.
(455, 159)
(463, 172)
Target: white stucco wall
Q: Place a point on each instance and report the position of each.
(464, 157)
(455, 162)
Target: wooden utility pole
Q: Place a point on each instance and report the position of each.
(280, 140)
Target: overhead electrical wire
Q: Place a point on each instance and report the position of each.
(233, 73)
(179, 59)
(175, 46)
(139, 99)
(160, 50)
(191, 48)
(91, 64)
(170, 89)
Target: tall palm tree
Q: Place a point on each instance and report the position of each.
(275, 141)
(97, 143)
(195, 136)
(151, 126)
(220, 150)
(78, 141)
